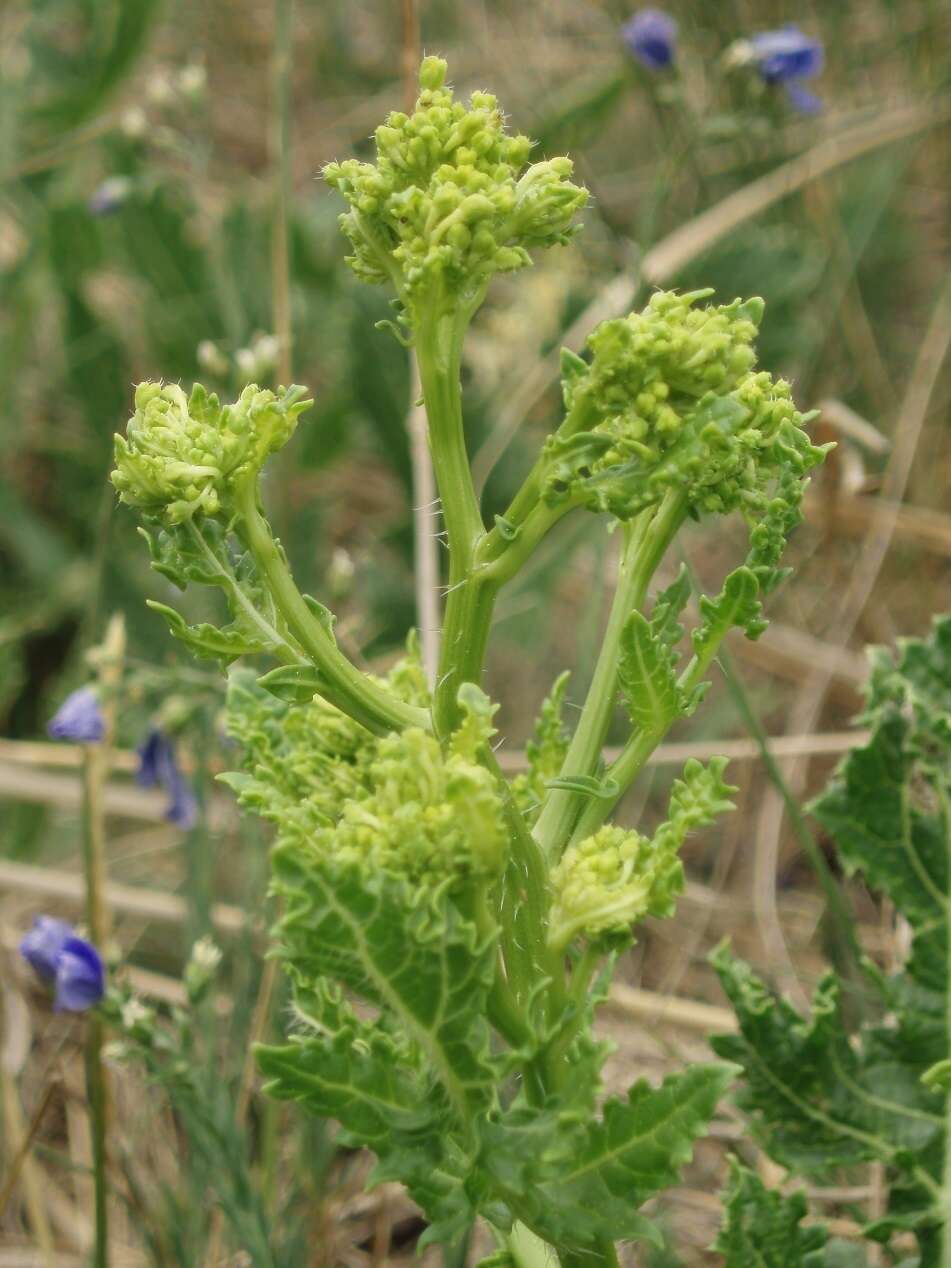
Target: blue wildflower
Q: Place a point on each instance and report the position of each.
(69, 963)
(787, 57)
(158, 768)
(41, 947)
(80, 977)
(78, 718)
(651, 35)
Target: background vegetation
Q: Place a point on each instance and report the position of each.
(161, 216)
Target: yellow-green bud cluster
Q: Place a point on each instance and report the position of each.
(671, 400)
(648, 366)
(449, 199)
(429, 817)
(397, 803)
(609, 880)
(183, 455)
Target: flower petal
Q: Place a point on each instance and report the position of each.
(78, 718)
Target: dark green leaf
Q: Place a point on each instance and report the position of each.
(763, 1229)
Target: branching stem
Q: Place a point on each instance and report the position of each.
(646, 540)
(346, 687)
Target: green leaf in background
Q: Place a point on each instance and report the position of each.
(819, 1096)
(763, 1229)
(112, 35)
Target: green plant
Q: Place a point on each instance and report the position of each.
(823, 1095)
(448, 934)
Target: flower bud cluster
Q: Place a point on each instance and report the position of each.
(184, 455)
(428, 817)
(671, 400)
(609, 880)
(449, 199)
(399, 803)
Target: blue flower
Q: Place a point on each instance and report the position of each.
(78, 718)
(651, 35)
(787, 57)
(42, 946)
(71, 964)
(158, 768)
(80, 977)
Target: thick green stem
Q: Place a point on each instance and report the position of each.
(469, 600)
(345, 686)
(646, 541)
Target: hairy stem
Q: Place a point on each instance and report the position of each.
(646, 540)
(343, 685)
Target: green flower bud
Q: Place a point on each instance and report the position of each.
(608, 881)
(183, 456)
(449, 200)
(670, 399)
(398, 803)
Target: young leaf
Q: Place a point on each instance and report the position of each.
(737, 605)
(647, 677)
(226, 643)
(298, 684)
(545, 751)
(668, 606)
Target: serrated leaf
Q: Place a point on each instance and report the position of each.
(647, 677)
(822, 1096)
(763, 1228)
(187, 553)
(736, 606)
(576, 1182)
(380, 1090)
(668, 606)
(409, 952)
(206, 640)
